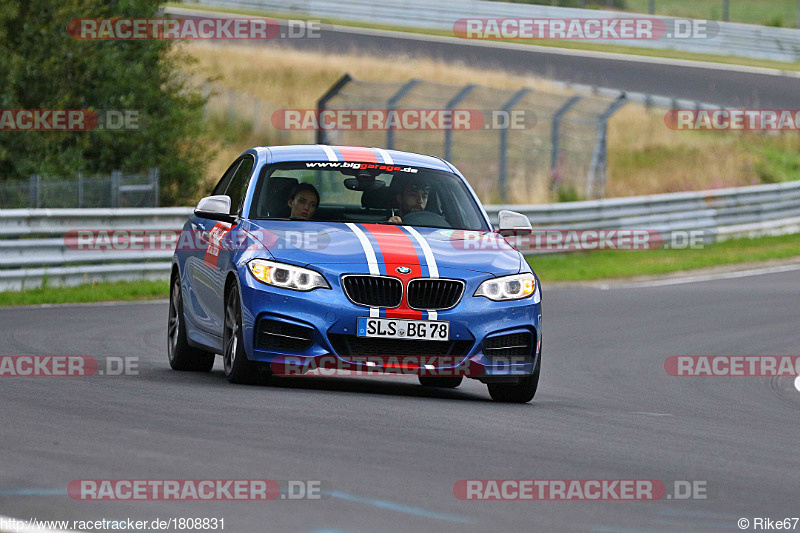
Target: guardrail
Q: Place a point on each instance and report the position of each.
(33, 247)
(746, 40)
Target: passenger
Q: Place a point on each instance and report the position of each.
(303, 201)
(413, 197)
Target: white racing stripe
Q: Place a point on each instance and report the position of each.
(430, 260)
(329, 152)
(387, 159)
(433, 269)
(372, 260)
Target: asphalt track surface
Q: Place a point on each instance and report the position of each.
(724, 85)
(646, 75)
(391, 451)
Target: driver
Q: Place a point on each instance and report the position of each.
(413, 196)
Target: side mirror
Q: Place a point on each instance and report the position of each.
(215, 208)
(513, 220)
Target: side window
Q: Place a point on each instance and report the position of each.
(226, 178)
(238, 185)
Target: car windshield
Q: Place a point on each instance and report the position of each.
(365, 193)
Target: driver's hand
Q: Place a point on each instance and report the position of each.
(396, 220)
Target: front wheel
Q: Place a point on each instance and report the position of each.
(181, 355)
(238, 369)
(521, 392)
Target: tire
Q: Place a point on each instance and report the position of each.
(447, 382)
(521, 392)
(181, 355)
(238, 369)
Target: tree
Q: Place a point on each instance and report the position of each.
(43, 67)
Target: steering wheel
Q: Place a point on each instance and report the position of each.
(425, 218)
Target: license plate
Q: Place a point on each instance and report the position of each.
(401, 328)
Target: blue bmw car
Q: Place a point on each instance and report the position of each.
(358, 259)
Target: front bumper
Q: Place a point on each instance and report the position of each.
(326, 319)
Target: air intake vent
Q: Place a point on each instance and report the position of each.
(518, 346)
(276, 335)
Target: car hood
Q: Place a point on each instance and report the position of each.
(418, 248)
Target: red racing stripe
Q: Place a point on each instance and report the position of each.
(356, 154)
(397, 250)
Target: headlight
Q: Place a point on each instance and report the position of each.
(508, 287)
(286, 276)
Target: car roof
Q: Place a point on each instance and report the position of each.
(360, 154)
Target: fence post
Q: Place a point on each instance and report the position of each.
(80, 189)
(154, 182)
(502, 166)
(555, 135)
(448, 132)
(725, 10)
(600, 155)
(34, 193)
(392, 102)
(323, 101)
(651, 8)
(116, 178)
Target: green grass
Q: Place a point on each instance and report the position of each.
(775, 164)
(99, 292)
(763, 12)
(572, 45)
(587, 266)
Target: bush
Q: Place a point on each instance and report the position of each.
(42, 67)
(567, 193)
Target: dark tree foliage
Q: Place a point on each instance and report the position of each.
(42, 67)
